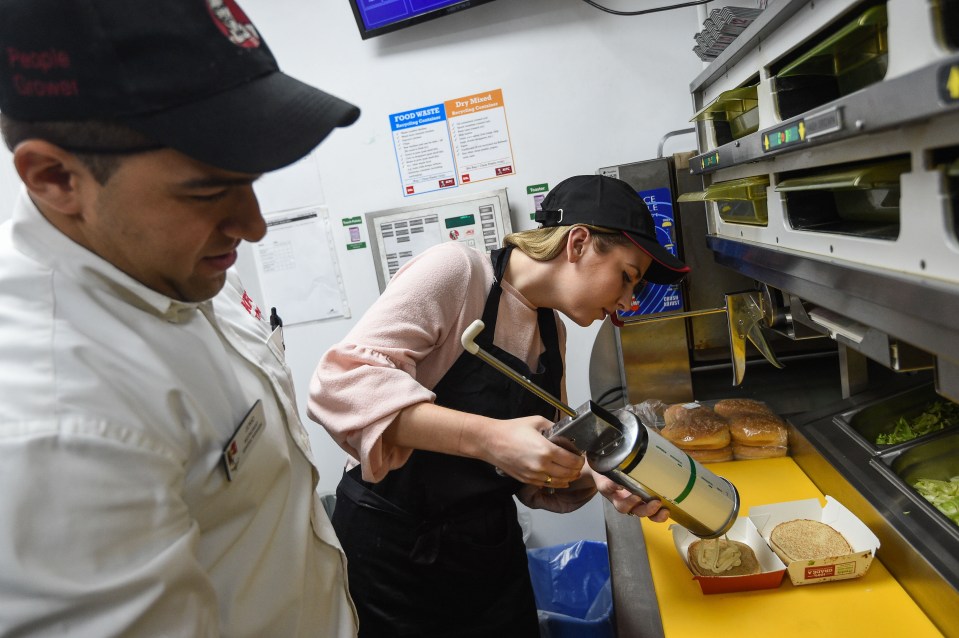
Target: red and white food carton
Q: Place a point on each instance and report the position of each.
(744, 531)
(806, 572)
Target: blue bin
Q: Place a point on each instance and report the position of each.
(572, 588)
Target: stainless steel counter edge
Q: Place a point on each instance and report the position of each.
(822, 452)
(635, 604)
(920, 556)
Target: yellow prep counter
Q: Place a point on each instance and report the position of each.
(873, 605)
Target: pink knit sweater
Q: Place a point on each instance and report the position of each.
(404, 344)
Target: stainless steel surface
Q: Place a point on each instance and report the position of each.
(662, 141)
(877, 345)
(607, 381)
(894, 102)
(934, 458)
(913, 545)
(657, 353)
(745, 319)
(903, 116)
(634, 597)
(706, 284)
(773, 17)
(947, 377)
(853, 371)
(656, 360)
(916, 310)
(888, 302)
(632, 321)
(592, 430)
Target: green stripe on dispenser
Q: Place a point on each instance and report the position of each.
(690, 483)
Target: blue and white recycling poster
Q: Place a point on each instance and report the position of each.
(424, 152)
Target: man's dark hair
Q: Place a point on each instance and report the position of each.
(99, 145)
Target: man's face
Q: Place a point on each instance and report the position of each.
(172, 223)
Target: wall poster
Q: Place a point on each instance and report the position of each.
(296, 263)
(460, 141)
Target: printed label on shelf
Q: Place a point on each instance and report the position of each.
(949, 83)
(785, 136)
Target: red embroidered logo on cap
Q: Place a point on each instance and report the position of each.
(234, 24)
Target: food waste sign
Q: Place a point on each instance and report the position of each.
(459, 141)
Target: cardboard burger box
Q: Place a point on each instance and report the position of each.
(744, 531)
(805, 572)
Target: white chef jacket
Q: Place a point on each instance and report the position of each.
(116, 513)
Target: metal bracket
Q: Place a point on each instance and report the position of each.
(745, 317)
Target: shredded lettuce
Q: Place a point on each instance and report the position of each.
(944, 495)
(938, 415)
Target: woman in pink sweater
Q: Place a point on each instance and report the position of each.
(428, 524)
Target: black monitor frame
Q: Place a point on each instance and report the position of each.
(454, 6)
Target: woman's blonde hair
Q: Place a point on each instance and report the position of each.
(543, 244)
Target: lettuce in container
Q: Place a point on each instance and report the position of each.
(944, 495)
(938, 415)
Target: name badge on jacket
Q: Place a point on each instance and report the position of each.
(243, 439)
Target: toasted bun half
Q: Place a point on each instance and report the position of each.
(735, 407)
(718, 455)
(746, 452)
(804, 539)
(758, 429)
(722, 557)
(695, 427)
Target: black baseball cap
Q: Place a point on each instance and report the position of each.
(607, 202)
(192, 75)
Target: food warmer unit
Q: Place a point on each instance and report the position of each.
(825, 185)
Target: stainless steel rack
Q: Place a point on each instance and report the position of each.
(888, 299)
(913, 97)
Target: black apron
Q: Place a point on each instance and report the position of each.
(435, 548)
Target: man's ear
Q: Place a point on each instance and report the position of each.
(52, 176)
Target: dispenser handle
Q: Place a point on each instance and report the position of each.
(469, 343)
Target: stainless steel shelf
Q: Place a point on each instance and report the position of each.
(927, 92)
(891, 300)
(920, 311)
(753, 36)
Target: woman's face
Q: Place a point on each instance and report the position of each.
(600, 283)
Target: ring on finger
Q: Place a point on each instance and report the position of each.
(549, 479)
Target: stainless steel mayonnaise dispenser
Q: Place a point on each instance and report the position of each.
(619, 446)
(651, 467)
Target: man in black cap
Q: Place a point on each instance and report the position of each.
(157, 479)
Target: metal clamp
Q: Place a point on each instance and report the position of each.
(745, 316)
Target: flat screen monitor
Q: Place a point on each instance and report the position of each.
(376, 17)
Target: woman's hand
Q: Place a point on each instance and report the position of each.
(559, 500)
(519, 449)
(628, 503)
